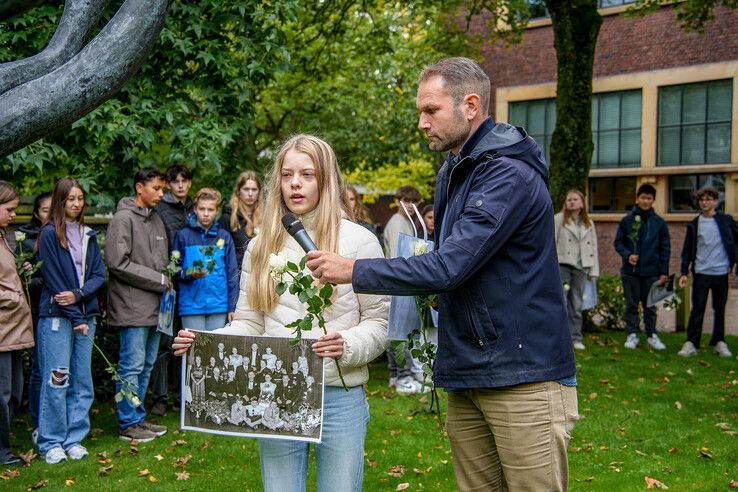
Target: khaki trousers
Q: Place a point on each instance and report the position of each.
(512, 439)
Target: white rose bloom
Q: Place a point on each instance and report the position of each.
(175, 255)
(20, 236)
(220, 243)
(420, 248)
(278, 263)
(135, 401)
(567, 287)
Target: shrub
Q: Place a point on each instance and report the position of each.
(609, 313)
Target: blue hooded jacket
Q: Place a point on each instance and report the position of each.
(217, 292)
(60, 275)
(502, 313)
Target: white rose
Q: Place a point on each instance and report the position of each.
(135, 401)
(420, 248)
(20, 236)
(637, 218)
(567, 287)
(220, 243)
(176, 255)
(278, 263)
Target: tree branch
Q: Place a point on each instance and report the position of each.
(35, 109)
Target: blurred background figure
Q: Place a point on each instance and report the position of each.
(242, 215)
(361, 214)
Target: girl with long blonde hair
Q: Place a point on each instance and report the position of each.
(306, 181)
(243, 213)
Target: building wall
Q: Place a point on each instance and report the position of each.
(632, 53)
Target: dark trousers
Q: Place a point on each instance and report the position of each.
(167, 367)
(11, 392)
(636, 289)
(701, 286)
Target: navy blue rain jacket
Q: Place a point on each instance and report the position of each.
(653, 246)
(502, 314)
(217, 292)
(728, 233)
(60, 275)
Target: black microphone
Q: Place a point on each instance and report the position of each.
(297, 230)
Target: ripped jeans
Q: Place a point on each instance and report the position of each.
(66, 383)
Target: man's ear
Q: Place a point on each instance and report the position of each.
(471, 106)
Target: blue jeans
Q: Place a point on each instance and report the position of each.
(204, 322)
(138, 348)
(66, 391)
(339, 457)
(34, 383)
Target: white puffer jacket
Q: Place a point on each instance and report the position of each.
(361, 318)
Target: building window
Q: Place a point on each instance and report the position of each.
(683, 189)
(616, 129)
(694, 123)
(611, 194)
(538, 117)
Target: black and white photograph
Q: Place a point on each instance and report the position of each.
(253, 387)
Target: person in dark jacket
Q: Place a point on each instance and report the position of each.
(41, 205)
(174, 209)
(504, 350)
(642, 240)
(73, 272)
(242, 215)
(709, 248)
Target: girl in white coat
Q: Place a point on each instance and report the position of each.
(306, 181)
(576, 245)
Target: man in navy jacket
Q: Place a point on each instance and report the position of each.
(504, 353)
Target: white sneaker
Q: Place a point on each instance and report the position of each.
(688, 350)
(406, 386)
(55, 455)
(77, 452)
(34, 436)
(655, 342)
(579, 346)
(632, 341)
(722, 349)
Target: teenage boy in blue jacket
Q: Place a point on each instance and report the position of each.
(504, 349)
(643, 243)
(709, 247)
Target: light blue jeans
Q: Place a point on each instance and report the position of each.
(138, 348)
(204, 322)
(66, 391)
(339, 457)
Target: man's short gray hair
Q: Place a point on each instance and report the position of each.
(461, 76)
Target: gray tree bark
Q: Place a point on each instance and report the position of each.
(56, 99)
(77, 22)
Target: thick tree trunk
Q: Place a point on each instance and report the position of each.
(48, 103)
(576, 25)
(77, 22)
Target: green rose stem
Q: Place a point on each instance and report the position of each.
(316, 301)
(126, 389)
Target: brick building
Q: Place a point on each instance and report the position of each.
(665, 112)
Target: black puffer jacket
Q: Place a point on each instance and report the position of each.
(240, 238)
(174, 214)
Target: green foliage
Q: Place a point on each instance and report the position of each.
(609, 312)
(386, 178)
(691, 15)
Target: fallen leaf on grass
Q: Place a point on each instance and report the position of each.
(183, 476)
(394, 432)
(733, 484)
(371, 463)
(592, 396)
(144, 472)
(153, 479)
(723, 426)
(204, 446)
(604, 380)
(105, 470)
(706, 453)
(69, 482)
(182, 462)
(420, 454)
(662, 379)
(444, 462)
(396, 471)
(8, 474)
(640, 453)
(403, 486)
(28, 456)
(103, 455)
(673, 450)
(418, 471)
(158, 457)
(652, 483)
(179, 442)
(41, 483)
(678, 405)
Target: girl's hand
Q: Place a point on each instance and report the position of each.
(83, 329)
(182, 341)
(199, 273)
(27, 267)
(330, 345)
(230, 317)
(65, 298)
(682, 281)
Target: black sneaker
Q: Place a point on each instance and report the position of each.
(159, 409)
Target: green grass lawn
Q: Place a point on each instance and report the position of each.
(643, 414)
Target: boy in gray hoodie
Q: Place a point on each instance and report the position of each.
(136, 249)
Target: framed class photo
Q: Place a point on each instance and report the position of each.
(252, 387)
